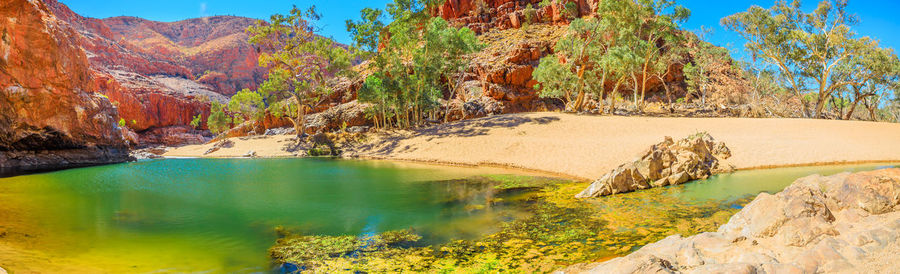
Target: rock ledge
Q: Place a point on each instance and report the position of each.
(666, 163)
(841, 223)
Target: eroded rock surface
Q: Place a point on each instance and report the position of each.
(665, 163)
(162, 74)
(835, 224)
(51, 113)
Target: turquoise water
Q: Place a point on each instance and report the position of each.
(727, 187)
(220, 215)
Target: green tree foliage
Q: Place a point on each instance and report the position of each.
(704, 57)
(195, 122)
(366, 32)
(806, 47)
(300, 64)
(764, 82)
(218, 121)
(422, 57)
(248, 105)
(577, 68)
(636, 39)
(121, 122)
(871, 73)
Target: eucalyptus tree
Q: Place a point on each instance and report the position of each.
(870, 72)
(421, 56)
(366, 33)
(704, 56)
(655, 24)
(248, 105)
(577, 67)
(626, 38)
(806, 47)
(300, 62)
(218, 121)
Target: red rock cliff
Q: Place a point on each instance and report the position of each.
(161, 75)
(51, 114)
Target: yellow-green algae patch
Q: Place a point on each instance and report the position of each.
(558, 230)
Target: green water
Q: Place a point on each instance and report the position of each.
(219, 215)
(727, 187)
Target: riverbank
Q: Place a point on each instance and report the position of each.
(845, 223)
(586, 147)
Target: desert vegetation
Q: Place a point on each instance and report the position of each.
(409, 67)
(819, 57)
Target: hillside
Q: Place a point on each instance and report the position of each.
(160, 75)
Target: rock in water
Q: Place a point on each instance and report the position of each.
(666, 163)
(846, 223)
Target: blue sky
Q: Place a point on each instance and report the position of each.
(878, 19)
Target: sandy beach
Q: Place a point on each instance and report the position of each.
(588, 146)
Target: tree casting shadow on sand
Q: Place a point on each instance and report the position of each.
(465, 128)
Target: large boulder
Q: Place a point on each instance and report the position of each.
(344, 115)
(846, 223)
(665, 163)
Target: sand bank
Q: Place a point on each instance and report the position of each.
(589, 146)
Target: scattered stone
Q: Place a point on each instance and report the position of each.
(149, 153)
(666, 163)
(221, 144)
(842, 223)
(280, 131)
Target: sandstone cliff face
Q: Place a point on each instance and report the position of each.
(161, 75)
(51, 114)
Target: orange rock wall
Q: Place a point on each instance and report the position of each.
(48, 100)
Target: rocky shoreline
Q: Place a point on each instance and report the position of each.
(23, 162)
(841, 223)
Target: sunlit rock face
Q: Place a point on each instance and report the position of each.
(846, 223)
(499, 78)
(161, 75)
(51, 111)
(666, 163)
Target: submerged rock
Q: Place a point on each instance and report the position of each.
(841, 223)
(665, 163)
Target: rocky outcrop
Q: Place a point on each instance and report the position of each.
(665, 163)
(842, 223)
(345, 115)
(51, 114)
(518, 33)
(484, 15)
